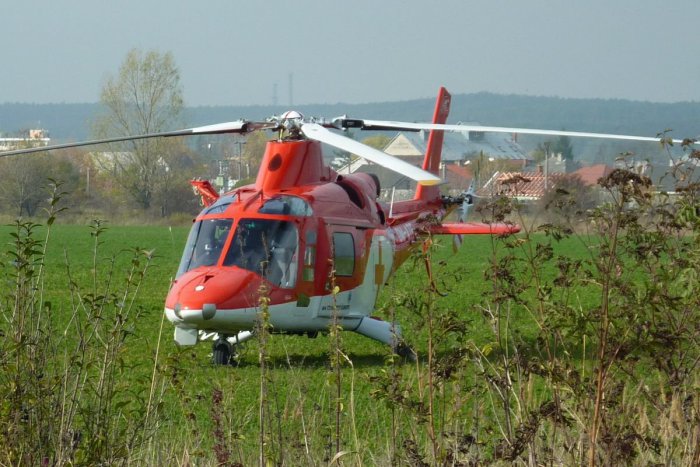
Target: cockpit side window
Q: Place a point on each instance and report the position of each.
(204, 244)
(266, 247)
(286, 205)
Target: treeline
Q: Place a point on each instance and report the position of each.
(90, 189)
(73, 121)
(150, 182)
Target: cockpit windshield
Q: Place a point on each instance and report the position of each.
(204, 244)
(267, 247)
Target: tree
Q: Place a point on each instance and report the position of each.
(377, 141)
(144, 97)
(342, 161)
(23, 179)
(539, 154)
(252, 152)
(562, 146)
(485, 166)
(569, 200)
(172, 191)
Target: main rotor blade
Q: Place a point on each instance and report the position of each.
(240, 126)
(385, 125)
(317, 132)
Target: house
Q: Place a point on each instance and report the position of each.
(531, 186)
(557, 164)
(523, 186)
(457, 147)
(457, 176)
(591, 174)
(463, 155)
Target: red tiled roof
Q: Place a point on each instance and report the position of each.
(523, 185)
(458, 177)
(590, 175)
(459, 170)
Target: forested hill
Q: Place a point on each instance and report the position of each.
(72, 121)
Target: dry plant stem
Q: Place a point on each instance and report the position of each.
(335, 362)
(394, 376)
(52, 211)
(302, 415)
(497, 319)
(503, 343)
(353, 420)
(431, 349)
(263, 336)
(154, 373)
(603, 339)
(536, 271)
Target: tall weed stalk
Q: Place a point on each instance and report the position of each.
(584, 350)
(62, 369)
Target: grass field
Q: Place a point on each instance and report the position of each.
(299, 366)
(299, 409)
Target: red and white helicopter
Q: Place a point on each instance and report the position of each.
(297, 226)
(302, 223)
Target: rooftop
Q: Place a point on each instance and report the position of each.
(525, 186)
(458, 146)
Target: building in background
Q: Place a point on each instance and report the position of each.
(31, 139)
(465, 157)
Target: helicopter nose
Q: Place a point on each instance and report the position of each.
(199, 295)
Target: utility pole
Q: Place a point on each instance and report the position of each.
(546, 164)
(239, 144)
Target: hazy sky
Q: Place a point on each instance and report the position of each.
(232, 52)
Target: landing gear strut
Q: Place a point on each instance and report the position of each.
(223, 352)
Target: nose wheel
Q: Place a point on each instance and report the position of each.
(404, 351)
(223, 352)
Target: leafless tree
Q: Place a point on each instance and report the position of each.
(144, 97)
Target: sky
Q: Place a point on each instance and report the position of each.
(232, 52)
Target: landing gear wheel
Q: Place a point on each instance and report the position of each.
(223, 353)
(404, 351)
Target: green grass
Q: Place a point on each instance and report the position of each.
(299, 381)
(526, 354)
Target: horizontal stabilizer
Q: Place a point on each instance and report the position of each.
(473, 228)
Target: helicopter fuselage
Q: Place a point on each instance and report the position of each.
(317, 245)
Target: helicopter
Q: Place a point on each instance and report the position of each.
(318, 245)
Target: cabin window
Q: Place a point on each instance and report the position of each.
(204, 244)
(309, 257)
(286, 205)
(266, 247)
(343, 253)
